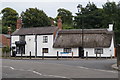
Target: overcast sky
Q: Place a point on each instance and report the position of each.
(49, 6)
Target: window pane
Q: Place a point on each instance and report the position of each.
(45, 50)
(22, 38)
(68, 50)
(45, 39)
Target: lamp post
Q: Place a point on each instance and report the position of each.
(79, 11)
(79, 7)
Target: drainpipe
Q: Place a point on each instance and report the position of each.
(35, 45)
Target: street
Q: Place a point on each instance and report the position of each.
(59, 68)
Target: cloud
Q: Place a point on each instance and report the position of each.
(57, 0)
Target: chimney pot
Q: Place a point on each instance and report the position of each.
(110, 27)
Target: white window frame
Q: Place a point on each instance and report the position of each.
(67, 50)
(45, 39)
(45, 51)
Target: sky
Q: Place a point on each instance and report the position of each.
(50, 7)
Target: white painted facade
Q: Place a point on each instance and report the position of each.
(30, 46)
(52, 52)
(13, 39)
(107, 52)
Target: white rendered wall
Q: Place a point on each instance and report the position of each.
(13, 40)
(52, 51)
(107, 52)
(41, 45)
(74, 50)
(91, 52)
(30, 45)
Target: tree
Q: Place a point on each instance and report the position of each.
(4, 29)
(0, 26)
(5, 51)
(112, 15)
(117, 25)
(110, 12)
(34, 17)
(89, 17)
(9, 18)
(93, 17)
(66, 16)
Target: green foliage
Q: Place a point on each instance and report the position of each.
(0, 29)
(4, 29)
(0, 26)
(89, 17)
(110, 8)
(34, 17)
(67, 26)
(65, 15)
(93, 17)
(9, 18)
(112, 15)
(6, 49)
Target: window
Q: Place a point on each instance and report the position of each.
(17, 50)
(98, 50)
(45, 50)
(45, 39)
(22, 38)
(68, 50)
(20, 49)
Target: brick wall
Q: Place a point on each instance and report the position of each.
(5, 40)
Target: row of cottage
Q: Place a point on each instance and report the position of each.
(49, 40)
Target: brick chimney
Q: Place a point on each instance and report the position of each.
(59, 24)
(19, 24)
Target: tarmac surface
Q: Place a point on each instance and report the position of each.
(63, 68)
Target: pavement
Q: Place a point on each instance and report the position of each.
(58, 68)
(114, 66)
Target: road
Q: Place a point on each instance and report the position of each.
(58, 68)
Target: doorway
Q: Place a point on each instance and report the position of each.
(81, 52)
(20, 49)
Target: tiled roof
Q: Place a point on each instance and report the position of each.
(35, 30)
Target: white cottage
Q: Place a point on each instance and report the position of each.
(49, 40)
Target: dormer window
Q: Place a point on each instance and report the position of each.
(45, 39)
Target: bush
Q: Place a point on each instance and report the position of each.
(6, 49)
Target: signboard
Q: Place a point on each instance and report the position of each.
(98, 50)
(64, 53)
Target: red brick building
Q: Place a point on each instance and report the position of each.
(5, 40)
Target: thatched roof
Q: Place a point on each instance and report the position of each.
(35, 30)
(91, 38)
